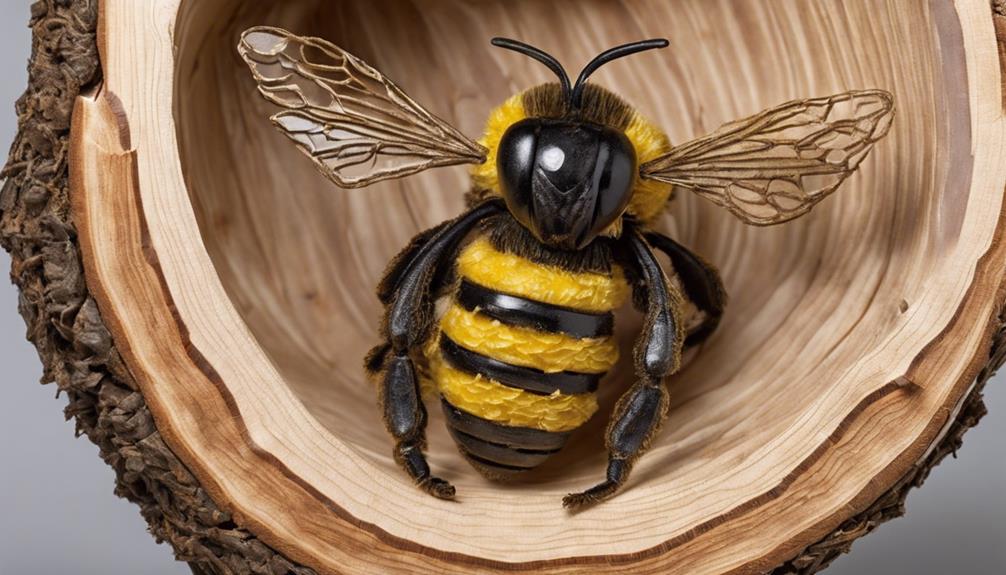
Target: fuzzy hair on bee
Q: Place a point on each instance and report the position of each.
(600, 106)
(568, 181)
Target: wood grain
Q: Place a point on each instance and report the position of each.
(246, 304)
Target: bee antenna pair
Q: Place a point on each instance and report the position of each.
(574, 95)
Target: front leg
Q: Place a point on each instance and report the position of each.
(407, 325)
(657, 354)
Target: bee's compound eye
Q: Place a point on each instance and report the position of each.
(515, 162)
(614, 176)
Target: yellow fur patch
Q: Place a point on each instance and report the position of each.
(484, 175)
(514, 275)
(649, 197)
(494, 401)
(549, 352)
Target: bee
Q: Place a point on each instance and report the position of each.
(567, 182)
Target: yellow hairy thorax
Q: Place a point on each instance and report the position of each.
(510, 273)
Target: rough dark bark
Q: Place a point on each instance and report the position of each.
(63, 320)
(79, 356)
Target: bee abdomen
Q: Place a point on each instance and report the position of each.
(497, 448)
(519, 311)
(493, 431)
(519, 355)
(520, 377)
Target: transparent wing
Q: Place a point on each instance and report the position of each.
(357, 125)
(776, 165)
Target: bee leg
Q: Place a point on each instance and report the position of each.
(641, 410)
(409, 287)
(701, 282)
(400, 264)
(405, 418)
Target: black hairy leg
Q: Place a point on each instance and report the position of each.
(400, 263)
(657, 354)
(409, 288)
(700, 281)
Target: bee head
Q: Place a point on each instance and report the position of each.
(567, 179)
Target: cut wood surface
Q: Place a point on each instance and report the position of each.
(238, 284)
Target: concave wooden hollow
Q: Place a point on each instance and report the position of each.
(238, 283)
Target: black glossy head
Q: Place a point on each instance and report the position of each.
(565, 181)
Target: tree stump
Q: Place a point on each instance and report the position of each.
(206, 298)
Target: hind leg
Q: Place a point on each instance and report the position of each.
(409, 289)
(405, 418)
(640, 412)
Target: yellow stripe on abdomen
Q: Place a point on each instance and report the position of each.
(509, 273)
(494, 401)
(548, 352)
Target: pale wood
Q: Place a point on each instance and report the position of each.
(238, 283)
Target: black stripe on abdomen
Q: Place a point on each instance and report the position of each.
(516, 437)
(497, 449)
(522, 312)
(526, 378)
(498, 454)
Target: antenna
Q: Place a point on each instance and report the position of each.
(542, 57)
(574, 95)
(607, 56)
